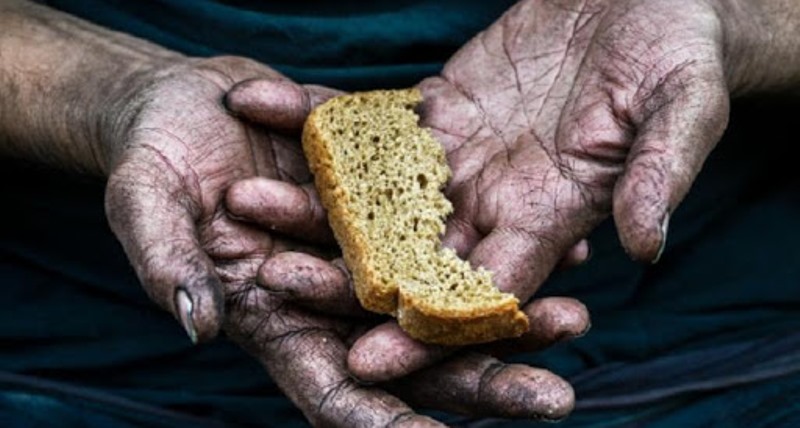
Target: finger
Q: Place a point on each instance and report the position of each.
(306, 359)
(552, 320)
(387, 352)
(685, 118)
(579, 254)
(276, 103)
(311, 282)
(478, 385)
(523, 245)
(460, 236)
(159, 236)
(292, 210)
(520, 259)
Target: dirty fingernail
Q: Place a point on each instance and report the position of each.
(664, 228)
(185, 312)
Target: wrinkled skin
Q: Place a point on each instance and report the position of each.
(166, 197)
(558, 115)
(165, 203)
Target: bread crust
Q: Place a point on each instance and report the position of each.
(431, 325)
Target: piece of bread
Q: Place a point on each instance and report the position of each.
(380, 176)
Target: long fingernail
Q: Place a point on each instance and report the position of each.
(584, 331)
(185, 312)
(664, 228)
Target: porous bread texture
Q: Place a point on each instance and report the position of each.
(380, 176)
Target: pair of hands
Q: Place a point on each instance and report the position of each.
(194, 198)
(558, 115)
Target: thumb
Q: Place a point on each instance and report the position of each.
(276, 103)
(159, 236)
(683, 120)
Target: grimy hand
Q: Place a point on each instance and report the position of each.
(178, 162)
(565, 112)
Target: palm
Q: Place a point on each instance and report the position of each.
(541, 113)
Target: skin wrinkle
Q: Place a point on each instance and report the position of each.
(191, 183)
(481, 110)
(331, 395)
(522, 99)
(289, 157)
(490, 372)
(316, 213)
(572, 35)
(399, 419)
(466, 155)
(225, 248)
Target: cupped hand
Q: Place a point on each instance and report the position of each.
(170, 174)
(177, 151)
(560, 114)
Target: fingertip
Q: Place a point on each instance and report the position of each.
(579, 254)
(561, 317)
(240, 196)
(533, 393)
(561, 400)
(642, 219)
(199, 306)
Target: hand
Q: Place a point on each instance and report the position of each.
(559, 114)
(165, 202)
(321, 286)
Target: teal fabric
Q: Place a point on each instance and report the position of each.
(72, 311)
(346, 44)
(771, 404)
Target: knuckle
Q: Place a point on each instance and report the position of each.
(335, 400)
(485, 393)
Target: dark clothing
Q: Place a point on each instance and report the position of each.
(714, 327)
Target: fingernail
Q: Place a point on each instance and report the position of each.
(584, 331)
(664, 227)
(185, 309)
